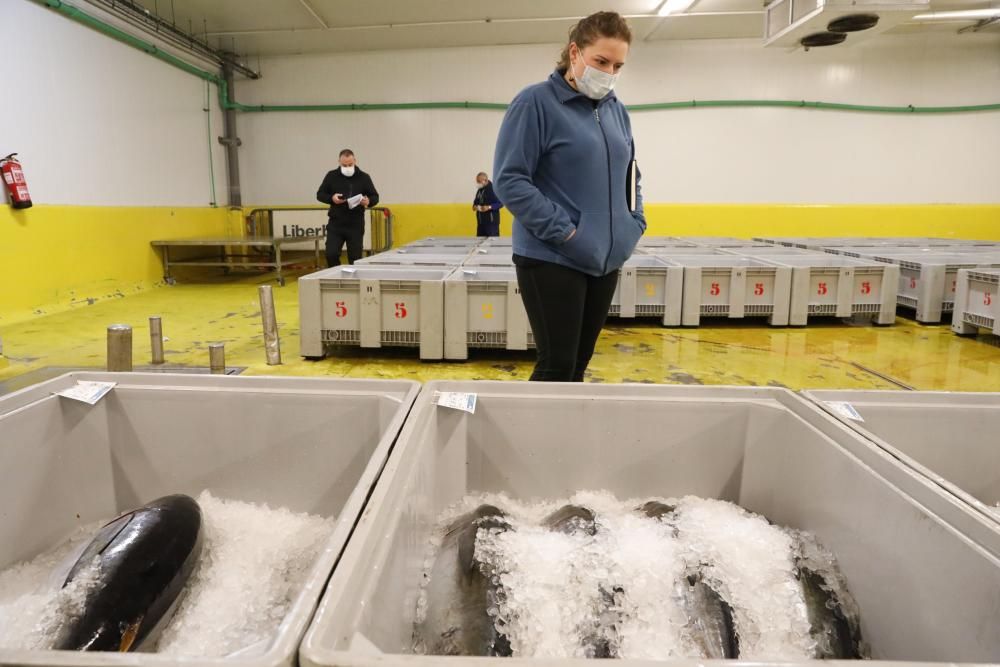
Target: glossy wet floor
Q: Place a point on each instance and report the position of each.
(827, 355)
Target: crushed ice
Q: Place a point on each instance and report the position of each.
(254, 561)
(568, 594)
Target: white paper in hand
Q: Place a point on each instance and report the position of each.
(355, 201)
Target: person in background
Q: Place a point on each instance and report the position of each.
(487, 207)
(564, 166)
(348, 191)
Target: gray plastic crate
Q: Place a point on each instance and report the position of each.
(977, 302)
(772, 251)
(950, 438)
(308, 444)
(483, 309)
(373, 307)
(504, 259)
(649, 286)
(663, 242)
(447, 241)
(403, 258)
(928, 281)
(436, 249)
(726, 285)
(674, 251)
(926, 592)
(828, 285)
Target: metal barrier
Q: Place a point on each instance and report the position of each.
(260, 222)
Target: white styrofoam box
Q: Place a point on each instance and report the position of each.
(926, 591)
(312, 445)
(727, 285)
(928, 281)
(948, 437)
(649, 286)
(373, 307)
(829, 285)
(977, 302)
(483, 309)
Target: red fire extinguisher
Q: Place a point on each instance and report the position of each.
(13, 178)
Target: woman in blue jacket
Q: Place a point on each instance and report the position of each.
(564, 166)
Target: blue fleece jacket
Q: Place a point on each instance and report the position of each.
(561, 163)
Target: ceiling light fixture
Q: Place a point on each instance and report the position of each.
(959, 15)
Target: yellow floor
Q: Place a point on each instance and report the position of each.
(834, 355)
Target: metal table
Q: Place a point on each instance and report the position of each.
(225, 256)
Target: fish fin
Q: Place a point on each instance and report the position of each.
(128, 637)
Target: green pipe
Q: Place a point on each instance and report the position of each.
(226, 102)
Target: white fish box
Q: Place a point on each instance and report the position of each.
(977, 302)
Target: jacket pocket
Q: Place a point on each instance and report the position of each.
(588, 247)
(627, 232)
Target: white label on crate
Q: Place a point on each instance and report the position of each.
(845, 410)
(87, 392)
(348, 269)
(456, 401)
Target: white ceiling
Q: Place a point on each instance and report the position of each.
(286, 27)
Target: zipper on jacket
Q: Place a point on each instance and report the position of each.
(611, 210)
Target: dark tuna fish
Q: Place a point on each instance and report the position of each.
(834, 618)
(710, 619)
(463, 592)
(142, 561)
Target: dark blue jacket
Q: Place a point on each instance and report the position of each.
(486, 195)
(561, 163)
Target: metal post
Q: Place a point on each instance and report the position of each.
(120, 348)
(272, 345)
(231, 141)
(156, 339)
(217, 358)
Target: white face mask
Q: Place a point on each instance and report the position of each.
(594, 83)
(347, 171)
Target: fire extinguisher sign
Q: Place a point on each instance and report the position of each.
(13, 178)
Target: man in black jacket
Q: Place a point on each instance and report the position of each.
(349, 191)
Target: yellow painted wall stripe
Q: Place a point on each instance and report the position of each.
(58, 257)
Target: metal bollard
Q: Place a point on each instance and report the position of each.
(119, 348)
(156, 339)
(272, 345)
(217, 358)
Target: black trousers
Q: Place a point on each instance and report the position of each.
(567, 310)
(337, 236)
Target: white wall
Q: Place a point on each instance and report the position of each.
(724, 155)
(97, 122)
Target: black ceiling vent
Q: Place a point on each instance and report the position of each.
(853, 23)
(823, 39)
